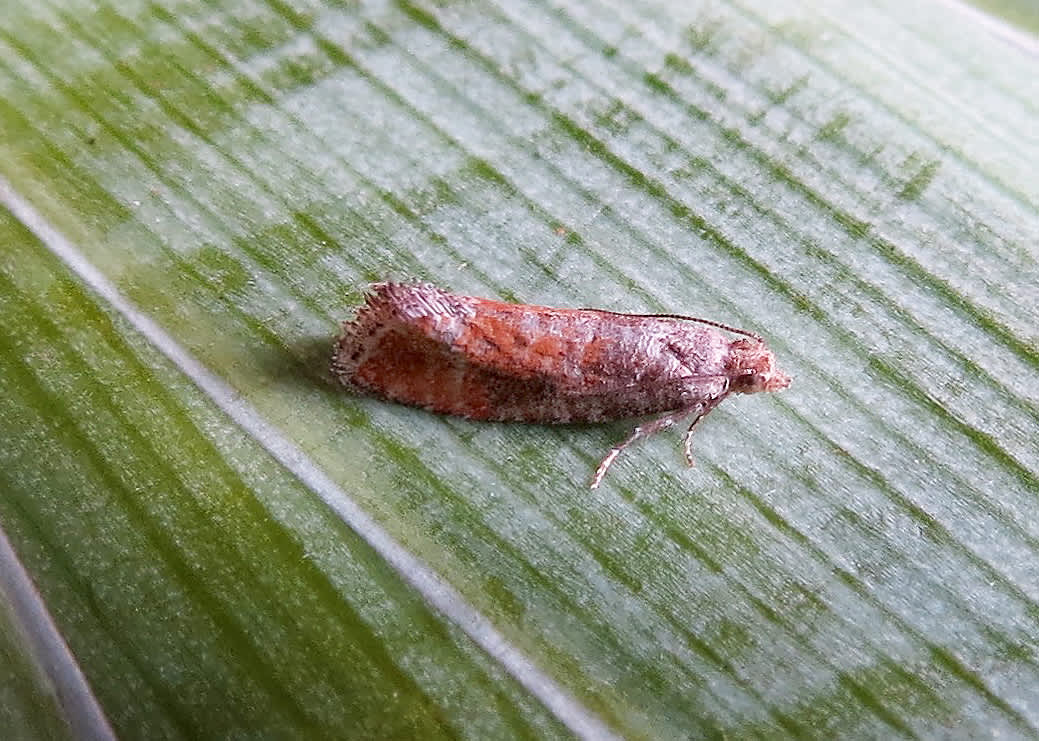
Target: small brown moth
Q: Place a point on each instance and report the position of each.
(472, 357)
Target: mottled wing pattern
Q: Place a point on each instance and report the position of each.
(522, 342)
(484, 359)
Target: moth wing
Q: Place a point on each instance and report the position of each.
(412, 312)
(576, 351)
(521, 343)
(495, 336)
(539, 344)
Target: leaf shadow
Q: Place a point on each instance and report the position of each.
(300, 363)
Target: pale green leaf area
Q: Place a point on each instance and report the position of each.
(854, 557)
(1022, 13)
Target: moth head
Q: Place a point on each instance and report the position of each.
(752, 367)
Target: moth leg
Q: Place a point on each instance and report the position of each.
(644, 430)
(701, 411)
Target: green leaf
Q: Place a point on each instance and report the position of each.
(195, 194)
(31, 696)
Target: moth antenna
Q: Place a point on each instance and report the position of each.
(708, 322)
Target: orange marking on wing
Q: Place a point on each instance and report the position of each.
(549, 348)
(595, 353)
(525, 342)
(409, 367)
(494, 340)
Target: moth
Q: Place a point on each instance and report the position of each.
(482, 359)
